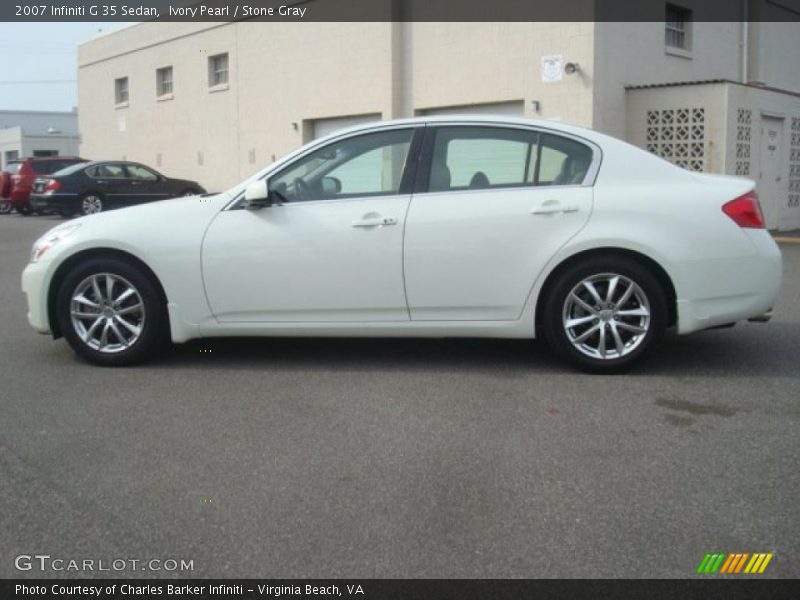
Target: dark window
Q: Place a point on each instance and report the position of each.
(121, 90)
(217, 70)
(140, 173)
(106, 171)
(164, 81)
(677, 24)
(365, 165)
(46, 167)
(41, 153)
(562, 161)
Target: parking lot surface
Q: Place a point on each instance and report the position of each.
(399, 458)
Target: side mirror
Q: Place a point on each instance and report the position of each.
(331, 186)
(257, 195)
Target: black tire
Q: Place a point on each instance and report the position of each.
(561, 307)
(5, 206)
(25, 210)
(153, 324)
(91, 203)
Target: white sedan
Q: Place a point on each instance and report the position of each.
(434, 227)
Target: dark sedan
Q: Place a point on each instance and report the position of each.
(92, 187)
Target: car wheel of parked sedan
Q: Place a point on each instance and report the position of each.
(111, 313)
(91, 204)
(605, 314)
(5, 207)
(25, 210)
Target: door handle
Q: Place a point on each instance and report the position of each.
(552, 207)
(374, 222)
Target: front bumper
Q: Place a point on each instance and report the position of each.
(34, 285)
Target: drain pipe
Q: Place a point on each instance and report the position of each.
(745, 42)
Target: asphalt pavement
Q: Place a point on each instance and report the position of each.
(397, 458)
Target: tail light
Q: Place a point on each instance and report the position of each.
(52, 185)
(745, 211)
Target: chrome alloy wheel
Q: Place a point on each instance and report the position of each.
(606, 316)
(107, 313)
(91, 204)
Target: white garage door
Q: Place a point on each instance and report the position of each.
(323, 127)
(504, 109)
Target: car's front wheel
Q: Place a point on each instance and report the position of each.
(90, 204)
(111, 312)
(605, 314)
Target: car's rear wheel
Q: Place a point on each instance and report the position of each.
(605, 314)
(25, 210)
(111, 313)
(90, 204)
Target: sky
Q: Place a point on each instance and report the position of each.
(45, 53)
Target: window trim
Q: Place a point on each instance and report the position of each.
(214, 85)
(159, 81)
(426, 158)
(407, 179)
(118, 102)
(687, 16)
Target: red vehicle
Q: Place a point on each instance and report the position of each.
(16, 182)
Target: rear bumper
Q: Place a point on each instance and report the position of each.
(717, 292)
(55, 202)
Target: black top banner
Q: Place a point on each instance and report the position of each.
(396, 10)
(402, 589)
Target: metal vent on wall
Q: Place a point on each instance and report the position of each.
(794, 165)
(744, 122)
(677, 135)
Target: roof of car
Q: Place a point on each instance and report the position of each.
(475, 119)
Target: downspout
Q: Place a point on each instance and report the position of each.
(745, 41)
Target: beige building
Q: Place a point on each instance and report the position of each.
(218, 101)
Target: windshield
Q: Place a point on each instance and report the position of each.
(70, 169)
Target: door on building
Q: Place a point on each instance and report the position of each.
(772, 188)
(502, 109)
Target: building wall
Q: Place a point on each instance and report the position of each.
(627, 55)
(277, 92)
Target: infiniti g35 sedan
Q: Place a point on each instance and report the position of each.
(92, 187)
(430, 227)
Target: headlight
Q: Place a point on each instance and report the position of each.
(50, 239)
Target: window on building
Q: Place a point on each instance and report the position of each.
(677, 23)
(218, 70)
(121, 90)
(39, 153)
(164, 81)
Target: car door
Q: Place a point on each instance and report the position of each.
(329, 248)
(491, 206)
(143, 184)
(110, 180)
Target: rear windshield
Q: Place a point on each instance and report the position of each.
(13, 168)
(70, 169)
(46, 167)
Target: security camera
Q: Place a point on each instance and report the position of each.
(571, 67)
